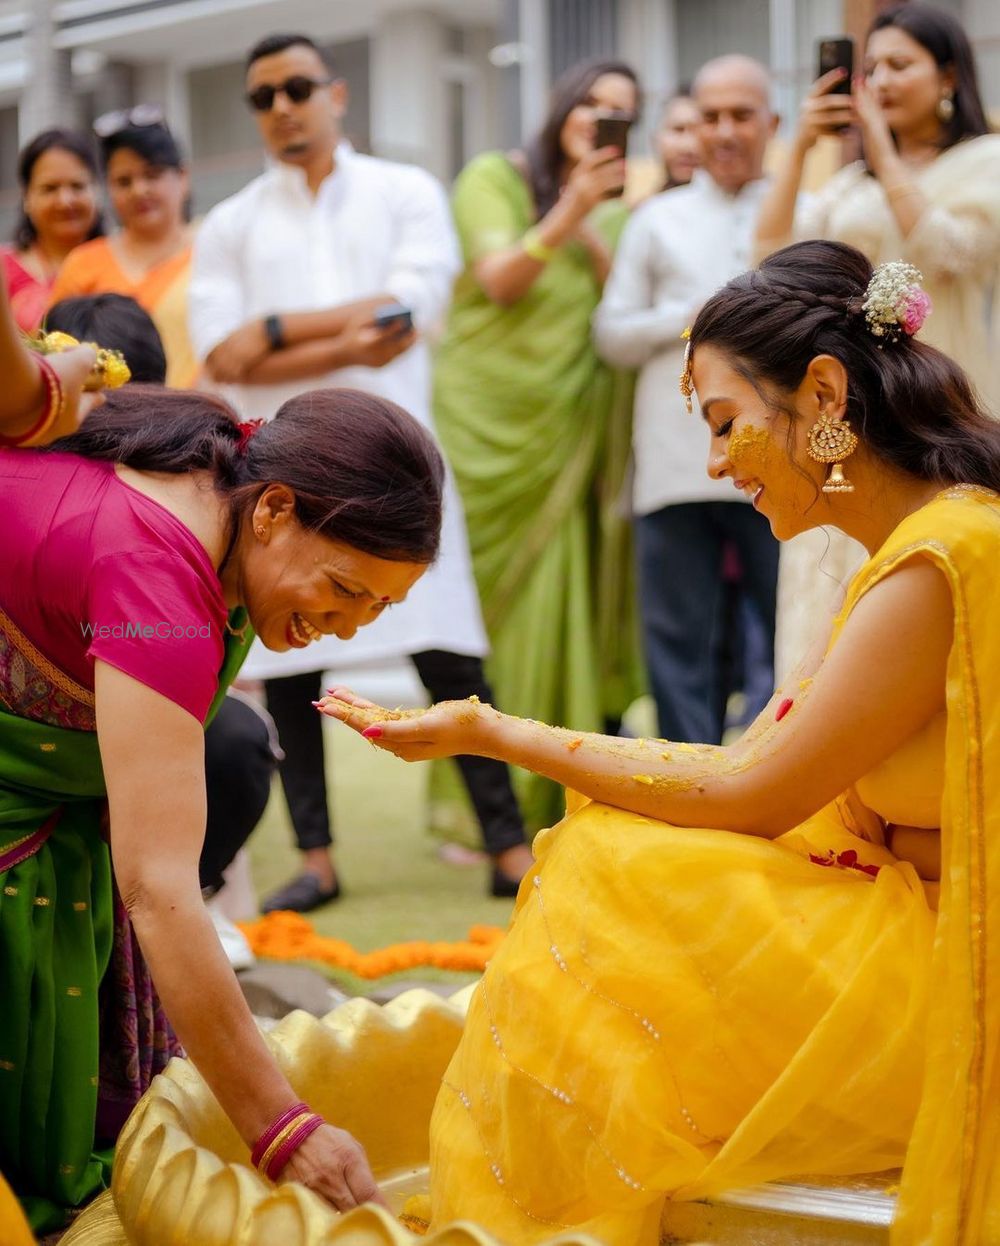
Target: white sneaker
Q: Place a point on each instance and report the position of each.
(233, 940)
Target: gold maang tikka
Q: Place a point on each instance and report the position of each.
(686, 384)
(832, 441)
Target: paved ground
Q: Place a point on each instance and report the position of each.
(395, 885)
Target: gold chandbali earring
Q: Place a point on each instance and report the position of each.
(686, 383)
(832, 441)
(945, 108)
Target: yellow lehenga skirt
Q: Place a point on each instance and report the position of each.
(683, 1011)
(674, 1012)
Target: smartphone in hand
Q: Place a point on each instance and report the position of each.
(393, 316)
(836, 54)
(611, 130)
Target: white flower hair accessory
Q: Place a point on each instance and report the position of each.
(894, 302)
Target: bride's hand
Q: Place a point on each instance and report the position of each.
(334, 1165)
(445, 730)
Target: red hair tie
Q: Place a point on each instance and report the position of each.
(246, 430)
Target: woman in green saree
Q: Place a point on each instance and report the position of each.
(535, 428)
(137, 554)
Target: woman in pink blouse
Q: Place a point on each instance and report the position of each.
(138, 553)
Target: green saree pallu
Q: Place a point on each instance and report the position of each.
(81, 1030)
(538, 432)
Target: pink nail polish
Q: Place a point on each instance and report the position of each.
(317, 703)
(372, 733)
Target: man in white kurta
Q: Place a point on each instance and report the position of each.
(676, 251)
(286, 276)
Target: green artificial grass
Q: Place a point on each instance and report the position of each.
(395, 886)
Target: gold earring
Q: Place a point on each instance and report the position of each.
(260, 530)
(832, 441)
(686, 383)
(945, 109)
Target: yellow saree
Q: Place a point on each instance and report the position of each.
(678, 1011)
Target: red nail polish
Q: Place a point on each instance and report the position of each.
(372, 733)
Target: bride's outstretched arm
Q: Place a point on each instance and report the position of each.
(882, 681)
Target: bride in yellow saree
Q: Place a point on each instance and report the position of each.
(679, 1011)
(810, 986)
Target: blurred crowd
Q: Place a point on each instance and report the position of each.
(535, 322)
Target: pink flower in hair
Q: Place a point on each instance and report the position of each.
(917, 307)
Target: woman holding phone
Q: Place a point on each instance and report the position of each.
(528, 415)
(928, 192)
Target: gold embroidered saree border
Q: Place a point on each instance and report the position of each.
(59, 682)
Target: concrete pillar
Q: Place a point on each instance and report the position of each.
(784, 63)
(484, 122)
(408, 93)
(166, 84)
(47, 96)
(534, 77)
(648, 41)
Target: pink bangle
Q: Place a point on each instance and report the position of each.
(275, 1128)
(291, 1144)
(52, 409)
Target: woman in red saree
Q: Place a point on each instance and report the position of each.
(57, 172)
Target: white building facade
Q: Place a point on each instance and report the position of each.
(432, 82)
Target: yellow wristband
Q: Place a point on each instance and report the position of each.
(531, 244)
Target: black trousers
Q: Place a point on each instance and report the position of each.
(239, 763)
(447, 677)
(680, 553)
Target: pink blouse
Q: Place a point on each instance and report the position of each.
(29, 297)
(92, 569)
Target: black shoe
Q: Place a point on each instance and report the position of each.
(301, 895)
(502, 885)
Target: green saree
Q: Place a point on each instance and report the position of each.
(537, 432)
(70, 1052)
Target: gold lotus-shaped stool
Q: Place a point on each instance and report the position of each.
(182, 1175)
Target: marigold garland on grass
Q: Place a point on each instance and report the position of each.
(290, 936)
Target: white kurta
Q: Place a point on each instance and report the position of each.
(274, 247)
(678, 248)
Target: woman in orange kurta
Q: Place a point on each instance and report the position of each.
(150, 257)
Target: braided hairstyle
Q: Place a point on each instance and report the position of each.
(363, 471)
(912, 405)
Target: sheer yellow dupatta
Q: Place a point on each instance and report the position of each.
(950, 1193)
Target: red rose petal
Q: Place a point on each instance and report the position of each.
(783, 709)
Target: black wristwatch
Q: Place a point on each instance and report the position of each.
(273, 331)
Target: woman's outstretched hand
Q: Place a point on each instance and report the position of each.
(445, 730)
(334, 1165)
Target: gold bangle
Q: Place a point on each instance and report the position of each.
(902, 192)
(533, 246)
(279, 1138)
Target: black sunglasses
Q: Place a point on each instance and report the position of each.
(298, 89)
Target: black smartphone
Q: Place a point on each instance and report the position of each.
(611, 130)
(393, 316)
(836, 54)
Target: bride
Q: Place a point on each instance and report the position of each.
(812, 985)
